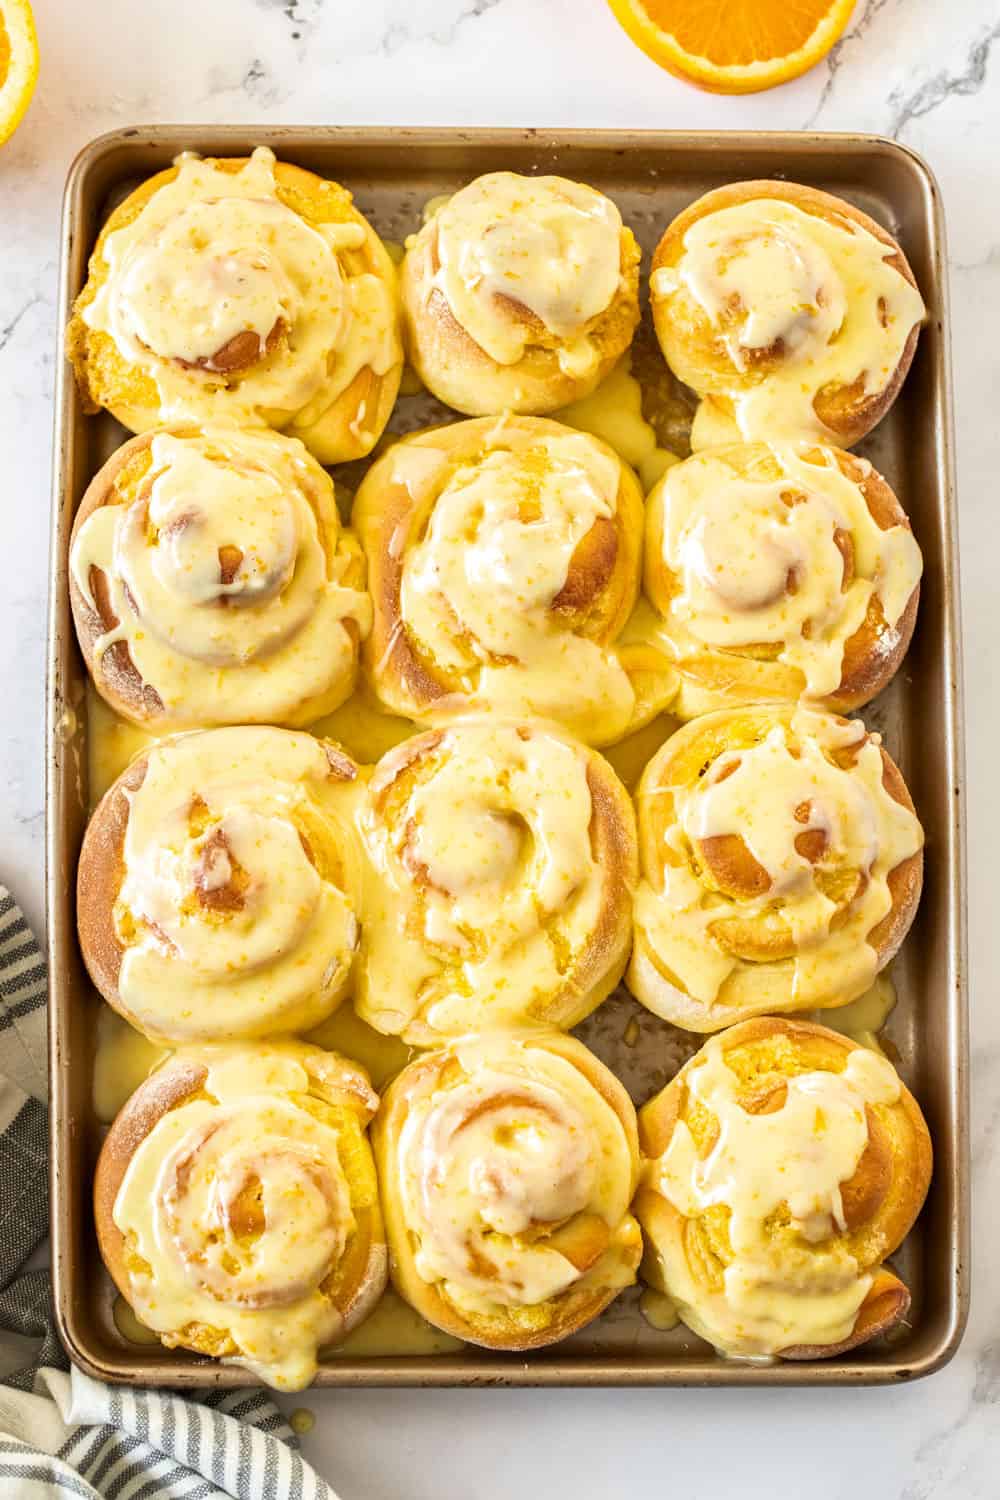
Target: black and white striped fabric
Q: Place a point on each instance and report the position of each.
(62, 1434)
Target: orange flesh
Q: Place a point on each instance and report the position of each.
(738, 32)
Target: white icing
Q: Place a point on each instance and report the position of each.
(485, 886)
(754, 560)
(272, 638)
(783, 786)
(182, 1200)
(479, 590)
(278, 958)
(213, 255)
(492, 1165)
(797, 1283)
(548, 245)
(816, 297)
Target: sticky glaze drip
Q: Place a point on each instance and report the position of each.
(112, 742)
(123, 1059)
(614, 413)
(862, 1020)
(394, 1328)
(659, 1310)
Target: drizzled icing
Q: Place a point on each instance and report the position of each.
(216, 256)
(232, 911)
(225, 571)
(550, 246)
(781, 796)
(486, 891)
(757, 794)
(479, 591)
(493, 1165)
(749, 538)
(238, 1204)
(798, 1283)
(816, 300)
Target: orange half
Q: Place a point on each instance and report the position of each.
(734, 46)
(18, 63)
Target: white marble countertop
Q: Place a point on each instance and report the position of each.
(921, 70)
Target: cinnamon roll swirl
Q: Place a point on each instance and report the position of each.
(504, 560)
(785, 1164)
(214, 893)
(782, 863)
(211, 581)
(507, 1164)
(519, 294)
(237, 1206)
(243, 290)
(780, 572)
(790, 312)
(502, 863)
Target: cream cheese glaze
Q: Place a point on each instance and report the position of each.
(479, 590)
(799, 1285)
(819, 298)
(490, 1168)
(233, 911)
(226, 574)
(770, 795)
(181, 1207)
(550, 247)
(484, 894)
(216, 256)
(758, 561)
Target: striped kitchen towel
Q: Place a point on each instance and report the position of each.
(61, 1433)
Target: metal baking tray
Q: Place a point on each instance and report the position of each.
(650, 175)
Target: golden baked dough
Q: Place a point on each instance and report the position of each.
(781, 861)
(790, 312)
(247, 290)
(780, 571)
(211, 581)
(785, 1164)
(507, 1163)
(502, 867)
(503, 560)
(215, 887)
(519, 294)
(237, 1206)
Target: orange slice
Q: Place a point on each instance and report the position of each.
(734, 46)
(18, 63)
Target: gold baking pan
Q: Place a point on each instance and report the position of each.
(651, 175)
